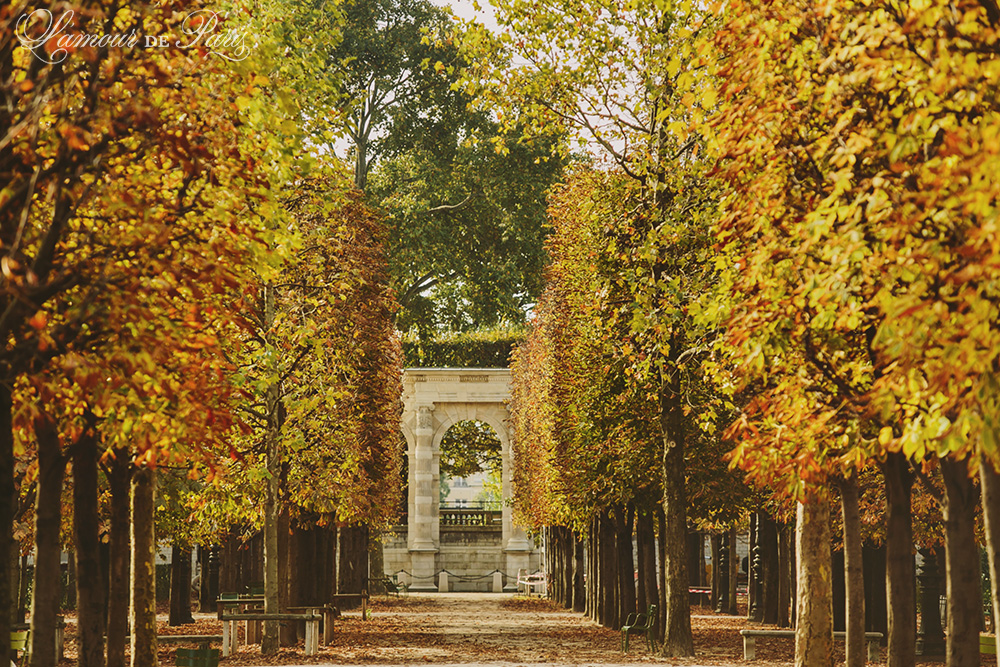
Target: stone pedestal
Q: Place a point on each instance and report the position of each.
(498, 582)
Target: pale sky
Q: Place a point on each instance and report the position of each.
(465, 9)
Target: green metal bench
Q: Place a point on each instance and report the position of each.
(987, 644)
(197, 657)
(18, 642)
(640, 623)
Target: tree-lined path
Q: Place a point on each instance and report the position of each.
(484, 629)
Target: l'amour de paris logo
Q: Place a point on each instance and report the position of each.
(53, 38)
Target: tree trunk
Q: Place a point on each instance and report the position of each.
(270, 641)
(734, 564)
(899, 565)
(989, 480)
(119, 480)
(70, 590)
(768, 532)
(46, 588)
(722, 573)
(661, 544)
(579, 603)
(91, 619)
(589, 584)
(569, 566)
(854, 579)
(272, 508)
(678, 640)
(143, 568)
(353, 560)
(755, 575)
(608, 573)
(180, 585)
(963, 568)
(646, 537)
(785, 571)
(22, 594)
(287, 563)
(715, 544)
(626, 566)
(814, 615)
(931, 642)
(8, 505)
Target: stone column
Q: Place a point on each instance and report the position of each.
(517, 549)
(423, 503)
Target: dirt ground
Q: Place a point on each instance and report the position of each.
(470, 628)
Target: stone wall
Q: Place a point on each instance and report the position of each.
(470, 554)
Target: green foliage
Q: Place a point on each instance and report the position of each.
(469, 447)
(478, 349)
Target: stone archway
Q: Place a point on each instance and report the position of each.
(434, 399)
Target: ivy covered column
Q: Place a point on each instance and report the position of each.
(423, 503)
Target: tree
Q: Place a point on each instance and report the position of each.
(842, 192)
(320, 367)
(618, 84)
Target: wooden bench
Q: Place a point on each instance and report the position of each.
(327, 611)
(363, 596)
(873, 639)
(987, 644)
(230, 637)
(202, 656)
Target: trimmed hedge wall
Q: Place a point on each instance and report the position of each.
(478, 349)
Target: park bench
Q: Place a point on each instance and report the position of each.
(388, 585)
(203, 656)
(640, 623)
(363, 596)
(531, 583)
(18, 642)
(873, 639)
(988, 644)
(230, 637)
(60, 633)
(327, 611)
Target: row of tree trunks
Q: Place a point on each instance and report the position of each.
(726, 565)
(560, 557)
(353, 570)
